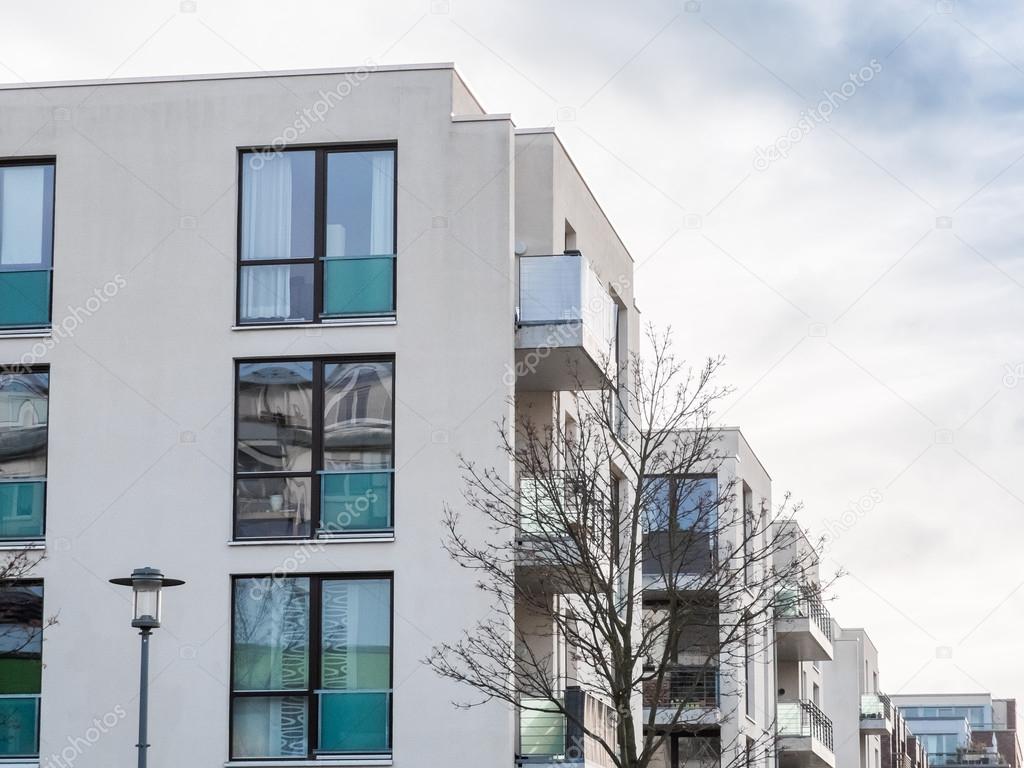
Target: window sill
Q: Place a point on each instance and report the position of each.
(332, 762)
(25, 333)
(18, 764)
(10, 546)
(337, 323)
(368, 539)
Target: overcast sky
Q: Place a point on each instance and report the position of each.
(855, 256)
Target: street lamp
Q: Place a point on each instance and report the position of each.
(147, 584)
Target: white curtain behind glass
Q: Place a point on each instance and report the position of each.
(267, 234)
(382, 204)
(21, 215)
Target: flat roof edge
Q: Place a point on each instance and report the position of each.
(229, 76)
(502, 117)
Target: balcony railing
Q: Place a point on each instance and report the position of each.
(802, 718)
(354, 721)
(566, 325)
(799, 601)
(355, 502)
(686, 687)
(547, 735)
(964, 759)
(560, 501)
(19, 726)
(564, 289)
(21, 507)
(875, 706)
(24, 297)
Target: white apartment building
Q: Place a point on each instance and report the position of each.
(247, 325)
(758, 704)
(869, 730)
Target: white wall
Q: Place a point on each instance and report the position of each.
(141, 420)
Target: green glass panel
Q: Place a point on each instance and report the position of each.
(354, 721)
(21, 510)
(541, 728)
(20, 674)
(19, 727)
(359, 501)
(25, 298)
(359, 286)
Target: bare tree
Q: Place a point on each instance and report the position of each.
(628, 586)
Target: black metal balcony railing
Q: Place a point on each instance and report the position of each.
(800, 601)
(689, 687)
(875, 705)
(803, 718)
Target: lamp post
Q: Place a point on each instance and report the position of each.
(147, 584)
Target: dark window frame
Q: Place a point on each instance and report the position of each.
(32, 582)
(321, 153)
(50, 160)
(673, 481)
(314, 649)
(15, 370)
(316, 469)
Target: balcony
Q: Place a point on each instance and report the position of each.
(805, 736)
(548, 737)
(19, 726)
(876, 714)
(558, 520)
(688, 694)
(966, 759)
(566, 327)
(803, 625)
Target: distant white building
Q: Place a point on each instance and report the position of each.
(964, 728)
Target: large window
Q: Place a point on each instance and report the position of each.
(21, 664)
(976, 715)
(23, 424)
(316, 235)
(26, 243)
(311, 666)
(315, 448)
(680, 523)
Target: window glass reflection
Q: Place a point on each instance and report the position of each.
(357, 415)
(275, 404)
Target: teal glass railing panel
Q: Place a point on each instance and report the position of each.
(355, 501)
(21, 509)
(359, 286)
(542, 728)
(355, 721)
(24, 298)
(19, 726)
